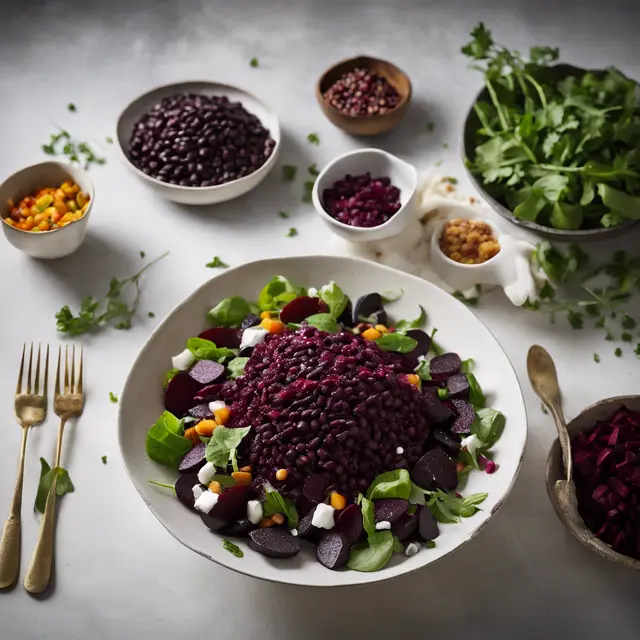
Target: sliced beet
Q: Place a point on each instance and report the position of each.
(366, 306)
(333, 550)
(239, 528)
(441, 367)
(314, 488)
(427, 525)
(435, 469)
(184, 488)
(424, 342)
(250, 321)
(405, 526)
(436, 411)
(231, 505)
(346, 317)
(223, 337)
(306, 530)
(201, 411)
(206, 371)
(178, 396)
(458, 385)
(300, 308)
(349, 523)
(274, 542)
(209, 393)
(194, 459)
(390, 509)
(449, 441)
(466, 416)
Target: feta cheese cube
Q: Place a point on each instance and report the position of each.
(254, 511)
(252, 337)
(206, 473)
(382, 525)
(183, 360)
(323, 517)
(197, 491)
(206, 501)
(411, 549)
(399, 451)
(217, 404)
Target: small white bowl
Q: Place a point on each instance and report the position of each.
(55, 243)
(200, 195)
(377, 163)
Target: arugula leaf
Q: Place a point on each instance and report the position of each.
(403, 326)
(223, 444)
(390, 484)
(476, 397)
(207, 350)
(368, 516)
(372, 555)
(335, 298)
(277, 503)
(165, 442)
(433, 345)
(229, 312)
(467, 366)
(448, 508)
(417, 494)
(488, 426)
(217, 263)
(224, 480)
(396, 342)
(226, 544)
(63, 484)
(323, 321)
(398, 547)
(236, 367)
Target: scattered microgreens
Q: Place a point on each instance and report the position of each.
(313, 138)
(104, 459)
(596, 357)
(637, 349)
(283, 214)
(111, 310)
(217, 263)
(78, 152)
(226, 544)
(151, 314)
(438, 163)
(313, 170)
(142, 254)
(292, 232)
(308, 190)
(289, 172)
(109, 140)
(113, 397)
(430, 126)
(253, 62)
(71, 107)
(431, 544)
(618, 353)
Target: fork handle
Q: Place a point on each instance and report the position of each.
(11, 533)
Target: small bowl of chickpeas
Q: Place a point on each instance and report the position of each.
(45, 209)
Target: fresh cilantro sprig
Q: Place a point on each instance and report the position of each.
(217, 263)
(62, 143)
(112, 310)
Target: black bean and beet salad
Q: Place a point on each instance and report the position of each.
(307, 416)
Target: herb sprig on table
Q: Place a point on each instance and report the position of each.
(561, 150)
(62, 143)
(112, 310)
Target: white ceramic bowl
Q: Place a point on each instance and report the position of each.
(378, 163)
(56, 243)
(200, 195)
(141, 403)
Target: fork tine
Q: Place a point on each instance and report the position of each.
(45, 389)
(79, 390)
(57, 390)
(29, 370)
(19, 385)
(37, 381)
(73, 368)
(66, 369)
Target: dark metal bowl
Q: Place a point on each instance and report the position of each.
(471, 125)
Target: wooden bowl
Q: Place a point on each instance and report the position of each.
(369, 125)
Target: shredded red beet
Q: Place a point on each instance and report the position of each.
(607, 477)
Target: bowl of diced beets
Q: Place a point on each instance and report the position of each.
(605, 445)
(366, 195)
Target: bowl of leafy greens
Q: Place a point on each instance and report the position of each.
(553, 147)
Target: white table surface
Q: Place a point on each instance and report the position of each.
(119, 573)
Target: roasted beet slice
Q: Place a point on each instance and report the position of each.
(346, 317)
(423, 340)
(300, 308)
(223, 337)
(366, 306)
(441, 367)
(405, 526)
(184, 488)
(201, 411)
(305, 529)
(466, 416)
(449, 441)
(206, 371)
(178, 396)
(436, 411)
(390, 509)
(349, 523)
(194, 459)
(239, 528)
(427, 525)
(333, 550)
(314, 488)
(209, 393)
(250, 321)
(231, 505)
(435, 469)
(274, 542)
(458, 385)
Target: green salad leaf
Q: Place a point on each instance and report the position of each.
(165, 441)
(63, 484)
(424, 370)
(390, 484)
(389, 295)
(169, 376)
(229, 546)
(448, 508)
(236, 367)
(373, 554)
(277, 503)
(335, 298)
(488, 426)
(323, 321)
(207, 350)
(403, 326)
(277, 293)
(396, 342)
(229, 312)
(476, 396)
(224, 480)
(368, 516)
(223, 444)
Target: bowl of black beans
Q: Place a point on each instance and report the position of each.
(199, 142)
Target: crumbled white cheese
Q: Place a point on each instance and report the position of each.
(412, 548)
(206, 501)
(197, 491)
(252, 336)
(399, 451)
(294, 533)
(383, 524)
(183, 360)
(323, 516)
(206, 473)
(312, 292)
(471, 443)
(254, 511)
(217, 404)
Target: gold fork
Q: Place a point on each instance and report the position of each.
(66, 405)
(30, 410)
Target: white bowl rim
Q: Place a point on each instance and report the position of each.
(372, 151)
(216, 187)
(64, 165)
(373, 577)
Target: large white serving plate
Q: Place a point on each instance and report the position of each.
(458, 330)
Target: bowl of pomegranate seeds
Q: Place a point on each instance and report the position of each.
(364, 96)
(605, 450)
(366, 195)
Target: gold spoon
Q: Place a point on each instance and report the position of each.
(559, 477)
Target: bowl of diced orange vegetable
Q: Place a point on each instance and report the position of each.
(45, 209)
